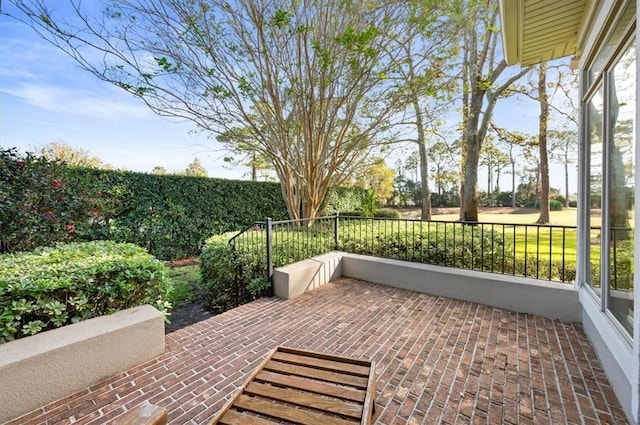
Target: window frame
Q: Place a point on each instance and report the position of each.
(591, 84)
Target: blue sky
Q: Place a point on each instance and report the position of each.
(45, 97)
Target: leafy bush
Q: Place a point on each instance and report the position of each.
(369, 203)
(559, 198)
(229, 276)
(468, 247)
(556, 205)
(53, 287)
(351, 214)
(573, 204)
(344, 199)
(42, 204)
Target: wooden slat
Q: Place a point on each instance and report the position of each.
(305, 399)
(292, 385)
(233, 417)
(322, 375)
(315, 362)
(318, 387)
(370, 400)
(228, 405)
(323, 356)
(299, 416)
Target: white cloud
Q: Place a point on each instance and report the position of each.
(73, 101)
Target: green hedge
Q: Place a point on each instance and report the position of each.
(172, 215)
(44, 203)
(53, 287)
(241, 274)
(376, 214)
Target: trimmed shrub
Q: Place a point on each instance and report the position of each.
(386, 214)
(469, 247)
(53, 287)
(573, 204)
(173, 215)
(229, 276)
(377, 214)
(556, 205)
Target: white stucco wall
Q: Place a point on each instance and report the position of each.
(42, 368)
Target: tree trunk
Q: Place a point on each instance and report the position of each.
(489, 180)
(566, 184)
(425, 213)
(513, 178)
(424, 177)
(254, 167)
(542, 145)
(469, 192)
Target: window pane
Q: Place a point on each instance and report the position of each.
(622, 112)
(614, 39)
(594, 133)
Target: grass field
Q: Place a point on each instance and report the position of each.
(557, 245)
(566, 217)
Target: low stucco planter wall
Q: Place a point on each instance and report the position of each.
(523, 295)
(45, 367)
(295, 279)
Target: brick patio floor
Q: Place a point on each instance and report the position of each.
(438, 360)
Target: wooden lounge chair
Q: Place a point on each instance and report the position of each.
(304, 388)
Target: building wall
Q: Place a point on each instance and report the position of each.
(618, 350)
(635, 402)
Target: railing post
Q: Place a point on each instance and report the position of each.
(269, 258)
(336, 229)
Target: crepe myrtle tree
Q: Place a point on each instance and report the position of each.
(305, 78)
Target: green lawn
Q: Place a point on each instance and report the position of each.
(185, 279)
(566, 217)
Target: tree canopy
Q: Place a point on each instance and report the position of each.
(304, 79)
(77, 157)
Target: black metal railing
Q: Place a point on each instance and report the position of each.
(531, 250)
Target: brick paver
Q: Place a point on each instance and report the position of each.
(438, 360)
